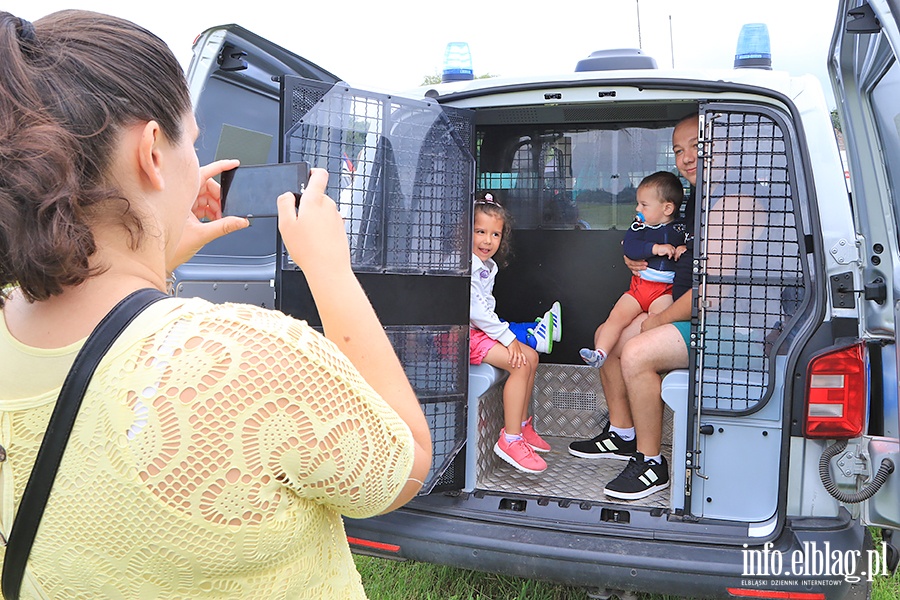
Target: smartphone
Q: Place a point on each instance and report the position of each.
(250, 191)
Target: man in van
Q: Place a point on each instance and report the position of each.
(649, 346)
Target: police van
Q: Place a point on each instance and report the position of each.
(781, 435)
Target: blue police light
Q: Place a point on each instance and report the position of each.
(457, 63)
(753, 50)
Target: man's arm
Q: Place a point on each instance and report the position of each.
(680, 310)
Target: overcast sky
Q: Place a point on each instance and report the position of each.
(394, 45)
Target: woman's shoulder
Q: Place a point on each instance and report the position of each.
(224, 320)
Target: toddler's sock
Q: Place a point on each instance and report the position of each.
(593, 358)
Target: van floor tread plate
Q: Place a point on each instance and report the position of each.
(567, 477)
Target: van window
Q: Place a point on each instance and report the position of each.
(579, 177)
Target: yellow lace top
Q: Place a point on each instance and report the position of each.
(213, 456)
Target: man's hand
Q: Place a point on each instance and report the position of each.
(635, 266)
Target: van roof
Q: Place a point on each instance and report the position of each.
(763, 80)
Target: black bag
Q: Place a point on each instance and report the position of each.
(37, 490)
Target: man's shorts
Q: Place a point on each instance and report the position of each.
(479, 345)
(684, 328)
(645, 292)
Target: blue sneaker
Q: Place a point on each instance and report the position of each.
(593, 358)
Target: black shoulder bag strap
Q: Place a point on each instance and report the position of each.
(40, 482)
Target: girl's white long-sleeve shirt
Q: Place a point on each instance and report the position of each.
(482, 302)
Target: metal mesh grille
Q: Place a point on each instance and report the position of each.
(751, 273)
(401, 173)
(405, 175)
(435, 360)
(447, 421)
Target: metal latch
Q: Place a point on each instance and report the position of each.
(843, 294)
(232, 59)
(862, 19)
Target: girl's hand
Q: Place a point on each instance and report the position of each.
(207, 205)
(314, 232)
(516, 355)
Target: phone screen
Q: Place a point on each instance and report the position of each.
(250, 191)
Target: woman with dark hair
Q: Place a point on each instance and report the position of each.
(218, 445)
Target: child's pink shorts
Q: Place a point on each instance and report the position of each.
(479, 344)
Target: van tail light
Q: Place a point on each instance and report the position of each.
(360, 544)
(836, 391)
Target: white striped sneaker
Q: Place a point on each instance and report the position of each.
(639, 479)
(605, 445)
(556, 318)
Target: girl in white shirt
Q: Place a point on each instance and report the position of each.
(491, 340)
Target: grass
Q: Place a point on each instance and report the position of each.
(884, 588)
(391, 580)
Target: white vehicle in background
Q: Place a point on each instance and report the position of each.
(781, 436)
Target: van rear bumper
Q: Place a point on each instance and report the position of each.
(604, 562)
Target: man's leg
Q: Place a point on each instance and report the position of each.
(644, 357)
(656, 351)
(612, 380)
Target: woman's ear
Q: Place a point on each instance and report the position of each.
(150, 155)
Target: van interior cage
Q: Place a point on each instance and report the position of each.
(401, 172)
(751, 275)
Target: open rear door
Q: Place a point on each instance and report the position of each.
(402, 172)
(866, 76)
(405, 190)
(234, 81)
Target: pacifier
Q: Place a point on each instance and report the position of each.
(639, 217)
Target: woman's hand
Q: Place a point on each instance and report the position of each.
(314, 232)
(207, 205)
(516, 355)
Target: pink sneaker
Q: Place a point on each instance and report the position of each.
(519, 454)
(533, 439)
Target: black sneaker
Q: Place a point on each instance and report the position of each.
(606, 445)
(639, 479)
